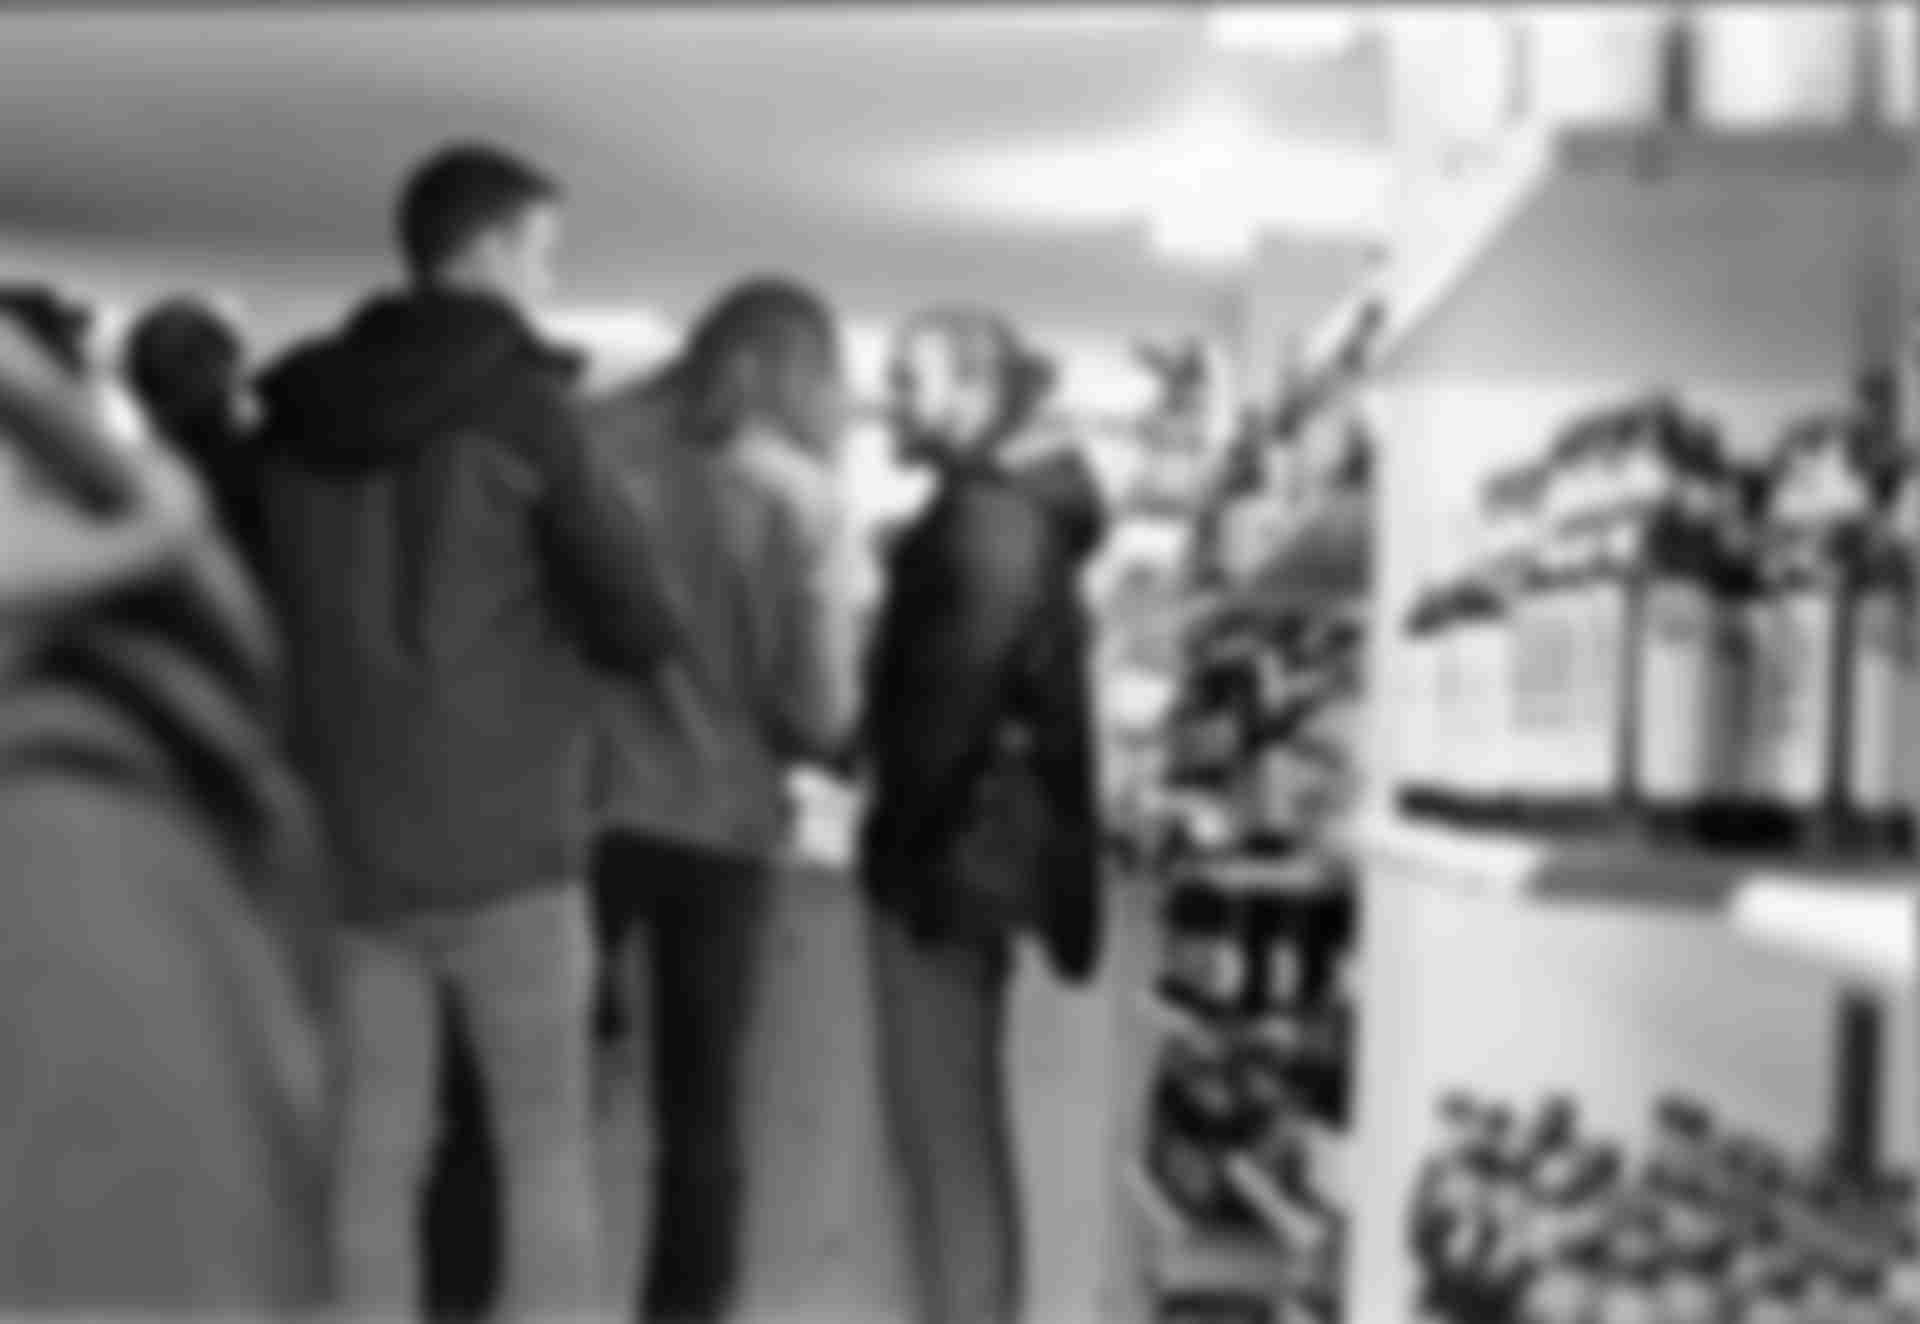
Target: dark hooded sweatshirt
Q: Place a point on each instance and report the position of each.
(994, 562)
(439, 537)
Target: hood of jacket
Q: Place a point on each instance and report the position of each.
(404, 369)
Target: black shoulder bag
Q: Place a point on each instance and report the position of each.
(993, 866)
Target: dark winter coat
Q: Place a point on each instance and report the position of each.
(440, 539)
(996, 554)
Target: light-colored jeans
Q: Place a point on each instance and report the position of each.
(941, 1009)
(520, 973)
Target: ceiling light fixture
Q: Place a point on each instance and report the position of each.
(1290, 32)
(1202, 206)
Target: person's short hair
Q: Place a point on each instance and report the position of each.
(184, 361)
(985, 343)
(460, 193)
(55, 324)
(768, 316)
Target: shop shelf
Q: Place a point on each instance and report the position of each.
(1870, 934)
(1305, 872)
(1860, 920)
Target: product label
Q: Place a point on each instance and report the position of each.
(1801, 717)
(1493, 725)
(1677, 750)
(1416, 724)
(1882, 658)
(1530, 662)
(1467, 753)
(1543, 689)
(1762, 682)
(1212, 968)
(1448, 696)
(1600, 688)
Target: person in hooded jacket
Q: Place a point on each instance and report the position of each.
(982, 825)
(447, 551)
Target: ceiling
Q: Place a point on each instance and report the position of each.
(831, 141)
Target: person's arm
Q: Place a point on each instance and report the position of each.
(599, 526)
(952, 671)
(813, 685)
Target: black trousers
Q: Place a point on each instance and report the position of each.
(461, 1214)
(702, 914)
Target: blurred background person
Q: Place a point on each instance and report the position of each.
(732, 442)
(443, 544)
(982, 826)
(188, 368)
(164, 1096)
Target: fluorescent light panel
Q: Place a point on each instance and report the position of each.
(1290, 32)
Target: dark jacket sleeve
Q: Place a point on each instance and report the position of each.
(599, 528)
(949, 673)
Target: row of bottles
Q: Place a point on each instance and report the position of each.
(1524, 1219)
(1265, 720)
(1232, 952)
(1660, 639)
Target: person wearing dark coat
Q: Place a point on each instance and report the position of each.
(977, 694)
(449, 555)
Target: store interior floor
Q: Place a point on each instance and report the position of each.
(823, 1239)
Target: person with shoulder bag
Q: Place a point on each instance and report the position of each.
(983, 823)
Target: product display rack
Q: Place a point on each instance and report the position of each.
(1757, 271)
(1283, 1264)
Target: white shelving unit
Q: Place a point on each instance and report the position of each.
(1862, 920)
(1756, 273)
